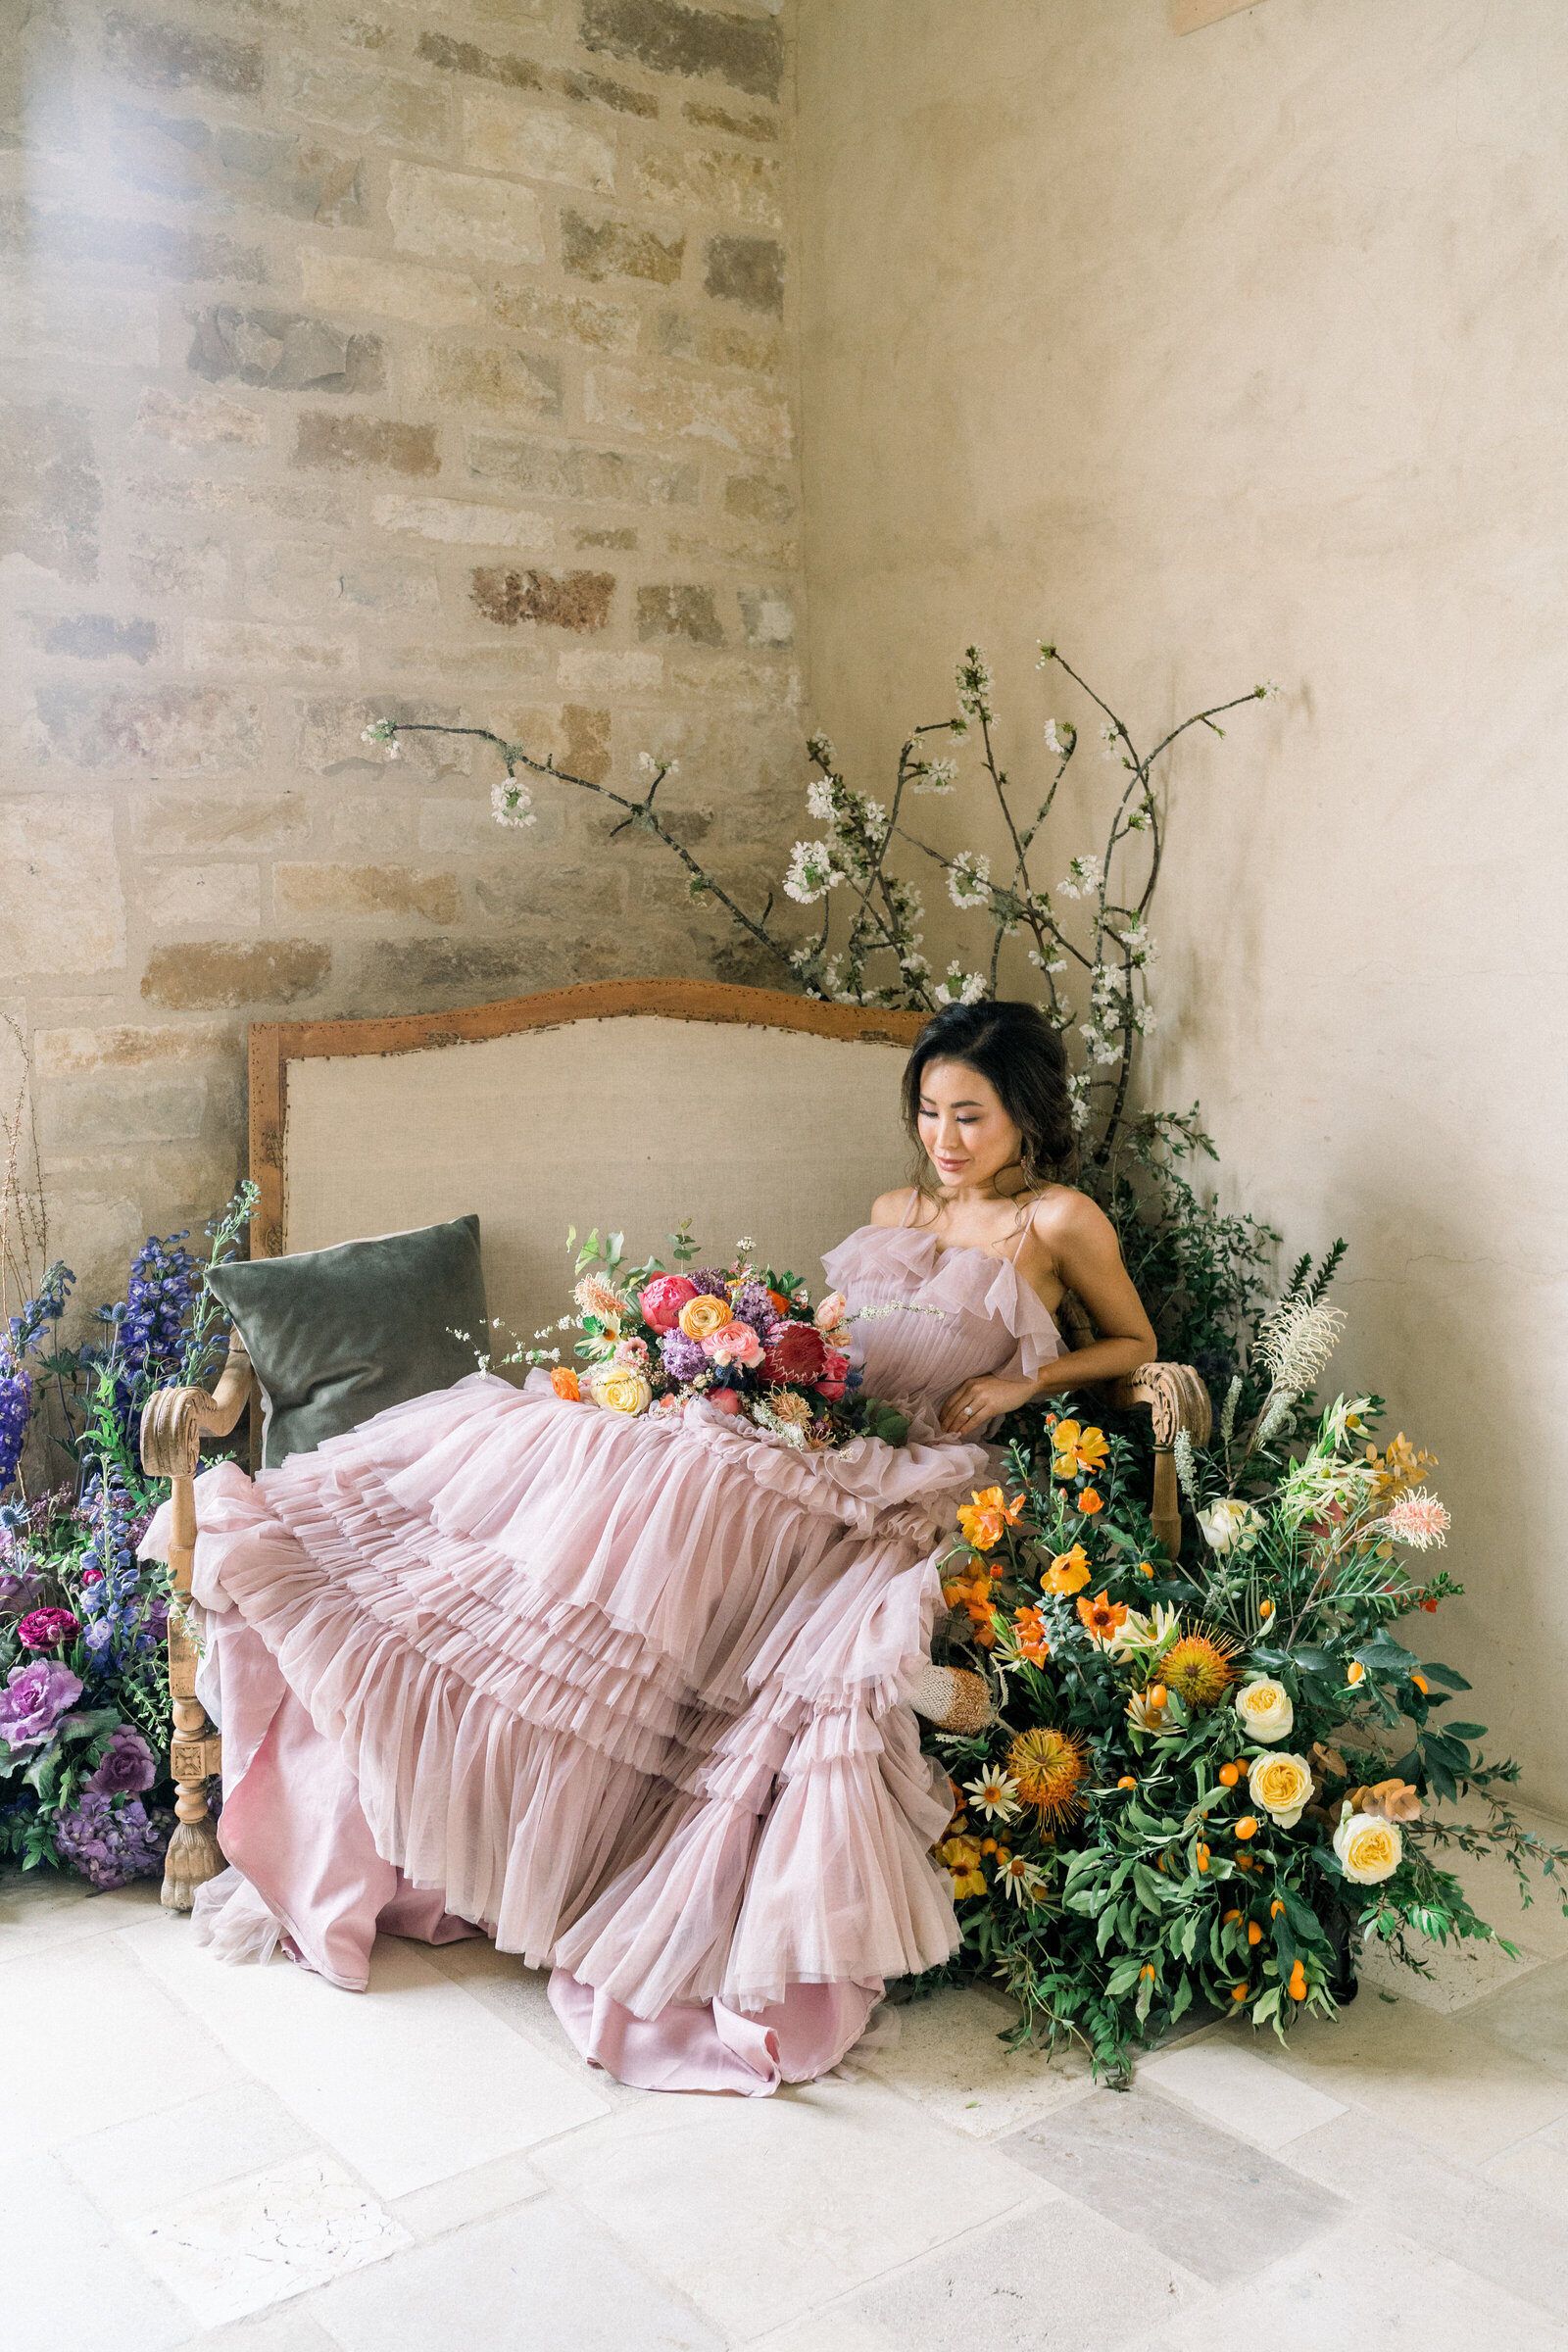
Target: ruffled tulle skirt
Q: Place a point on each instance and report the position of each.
(626, 1694)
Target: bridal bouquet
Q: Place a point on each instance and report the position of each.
(1209, 1781)
(745, 1339)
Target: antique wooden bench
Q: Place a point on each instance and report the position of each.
(623, 1104)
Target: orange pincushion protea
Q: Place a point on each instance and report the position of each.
(1050, 1767)
(1200, 1668)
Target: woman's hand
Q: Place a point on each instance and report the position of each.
(977, 1401)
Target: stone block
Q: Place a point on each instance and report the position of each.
(766, 617)
(317, 891)
(620, 538)
(581, 894)
(714, 179)
(370, 825)
(466, 57)
(407, 290)
(189, 825)
(364, 444)
(74, 323)
(595, 89)
(219, 164)
(199, 423)
(462, 524)
(752, 126)
(367, 99)
(584, 475)
(60, 887)
(567, 318)
(50, 493)
(455, 213)
(757, 499)
(468, 970)
(573, 599)
(487, 666)
(523, 385)
(209, 975)
(601, 249)
(163, 730)
(51, 234)
(678, 611)
(643, 400)
(500, 135)
(331, 737)
(719, 343)
(97, 637)
(158, 567)
(173, 57)
(584, 672)
(81, 1116)
(748, 270)
(299, 580)
(123, 1045)
(270, 502)
(764, 686)
(745, 52)
(264, 645)
(284, 351)
(199, 898)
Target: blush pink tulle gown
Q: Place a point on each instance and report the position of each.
(627, 1695)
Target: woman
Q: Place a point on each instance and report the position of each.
(633, 1696)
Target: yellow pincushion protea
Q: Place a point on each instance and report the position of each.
(1049, 1767)
(1198, 1667)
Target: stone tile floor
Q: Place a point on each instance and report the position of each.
(198, 2158)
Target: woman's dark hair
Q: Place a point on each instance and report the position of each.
(1016, 1049)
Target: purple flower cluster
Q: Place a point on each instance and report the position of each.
(112, 1840)
(16, 1411)
(754, 1304)
(159, 1297)
(707, 1282)
(122, 1617)
(683, 1357)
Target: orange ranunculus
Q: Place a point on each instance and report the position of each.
(563, 1379)
(1068, 1571)
(703, 1316)
(1089, 1502)
(1102, 1617)
(987, 1516)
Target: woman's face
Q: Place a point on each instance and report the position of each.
(963, 1129)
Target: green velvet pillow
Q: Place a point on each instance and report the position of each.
(338, 1334)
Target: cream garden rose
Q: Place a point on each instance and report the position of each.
(1230, 1526)
(1264, 1707)
(1280, 1785)
(1369, 1849)
(622, 1389)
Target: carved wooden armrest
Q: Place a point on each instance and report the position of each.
(1179, 1401)
(173, 1427)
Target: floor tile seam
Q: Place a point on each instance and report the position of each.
(1526, 2141)
(1198, 2114)
(596, 2226)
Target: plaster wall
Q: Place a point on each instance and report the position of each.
(1221, 359)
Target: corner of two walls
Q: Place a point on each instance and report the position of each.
(433, 363)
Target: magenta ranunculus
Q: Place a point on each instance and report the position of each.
(125, 1766)
(795, 1351)
(33, 1701)
(47, 1629)
(734, 1344)
(663, 1299)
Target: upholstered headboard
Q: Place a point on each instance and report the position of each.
(627, 1105)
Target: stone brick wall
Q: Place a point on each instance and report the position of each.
(431, 361)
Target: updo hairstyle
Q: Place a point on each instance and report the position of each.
(1016, 1049)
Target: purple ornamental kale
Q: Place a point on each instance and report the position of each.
(112, 1842)
(709, 1280)
(683, 1357)
(125, 1767)
(33, 1701)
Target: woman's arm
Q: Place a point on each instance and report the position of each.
(1073, 1239)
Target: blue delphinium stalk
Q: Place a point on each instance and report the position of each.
(16, 1411)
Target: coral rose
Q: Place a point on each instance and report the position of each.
(622, 1389)
(663, 1299)
(733, 1344)
(563, 1379)
(795, 1351)
(703, 1315)
(1369, 1849)
(1281, 1784)
(1266, 1710)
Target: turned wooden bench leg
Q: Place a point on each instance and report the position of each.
(196, 1750)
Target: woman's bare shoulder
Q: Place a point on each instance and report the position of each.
(1061, 1214)
(890, 1209)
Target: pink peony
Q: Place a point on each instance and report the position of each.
(47, 1629)
(663, 1299)
(795, 1351)
(830, 1311)
(725, 1401)
(736, 1343)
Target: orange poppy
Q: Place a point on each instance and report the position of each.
(986, 1518)
(1068, 1571)
(1089, 1502)
(1100, 1617)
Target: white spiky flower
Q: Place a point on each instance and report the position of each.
(1295, 1342)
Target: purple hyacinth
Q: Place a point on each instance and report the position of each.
(33, 1701)
(754, 1305)
(112, 1840)
(683, 1357)
(125, 1767)
(709, 1280)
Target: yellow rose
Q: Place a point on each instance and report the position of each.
(1281, 1784)
(1369, 1849)
(623, 1389)
(1264, 1707)
(704, 1314)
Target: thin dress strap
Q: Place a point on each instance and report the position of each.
(914, 1201)
(1022, 1238)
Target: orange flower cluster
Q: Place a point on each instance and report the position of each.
(987, 1516)
(1032, 1642)
(974, 1595)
